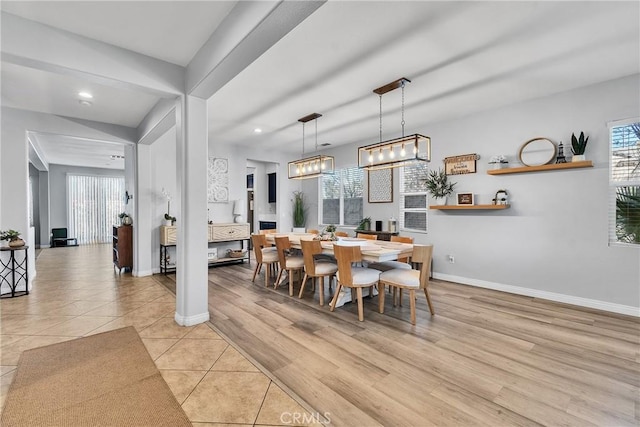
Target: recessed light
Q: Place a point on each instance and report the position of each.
(85, 102)
(116, 157)
(85, 95)
(257, 130)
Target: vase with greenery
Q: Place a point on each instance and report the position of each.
(299, 210)
(13, 237)
(578, 147)
(437, 183)
(365, 224)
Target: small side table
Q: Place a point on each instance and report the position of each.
(14, 271)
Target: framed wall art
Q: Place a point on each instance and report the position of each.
(464, 198)
(380, 186)
(218, 180)
(459, 165)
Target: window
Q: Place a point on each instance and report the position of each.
(94, 205)
(413, 198)
(624, 184)
(341, 197)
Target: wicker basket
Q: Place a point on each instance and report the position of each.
(236, 253)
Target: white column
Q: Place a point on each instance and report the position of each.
(191, 171)
(143, 221)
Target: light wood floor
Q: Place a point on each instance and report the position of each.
(485, 358)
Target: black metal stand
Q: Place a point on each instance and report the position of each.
(18, 271)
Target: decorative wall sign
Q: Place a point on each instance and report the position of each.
(459, 165)
(380, 186)
(218, 180)
(464, 198)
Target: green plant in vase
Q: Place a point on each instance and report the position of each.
(578, 147)
(437, 183)
(299, 210)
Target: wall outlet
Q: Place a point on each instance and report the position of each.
(451, 259)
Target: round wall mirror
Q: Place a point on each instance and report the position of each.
(537, 152)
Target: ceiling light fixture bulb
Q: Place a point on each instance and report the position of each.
(380, 155)
(403, 152)
(323, 166)
(315, 166)
(370, 157)
(392, 154)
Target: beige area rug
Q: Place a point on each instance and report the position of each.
(106, 379)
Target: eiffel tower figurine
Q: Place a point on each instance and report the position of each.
(560, 158)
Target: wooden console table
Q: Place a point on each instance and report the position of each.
(217, 233)
(17, 270)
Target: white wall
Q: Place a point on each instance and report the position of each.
(162, 159)
(552, 242)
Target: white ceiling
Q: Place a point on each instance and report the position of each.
(462, 57)
(67, 150)
(172, 31)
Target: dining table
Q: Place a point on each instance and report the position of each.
(372, 251)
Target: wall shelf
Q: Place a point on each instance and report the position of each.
(525, 169)
(469, 207)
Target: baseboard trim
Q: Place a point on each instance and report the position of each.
(191, 320)
(143, 273)
(552, 296)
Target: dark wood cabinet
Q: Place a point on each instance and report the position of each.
(123, 247)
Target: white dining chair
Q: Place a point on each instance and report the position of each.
(409, 279)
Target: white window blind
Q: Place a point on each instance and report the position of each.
(624, 183)
(94, 204)
(341, 197)
(413, 198)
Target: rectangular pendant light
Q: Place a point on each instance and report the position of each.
(403, 151)
(314, 166)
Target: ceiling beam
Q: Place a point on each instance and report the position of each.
(35, 45)
(250, 29)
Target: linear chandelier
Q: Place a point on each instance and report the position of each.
(403, 151)
(314, 166)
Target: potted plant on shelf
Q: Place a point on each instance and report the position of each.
(299, 212)
(13, 237)
(437, 183)
(169, 220)
(500, 161)
(578, 147)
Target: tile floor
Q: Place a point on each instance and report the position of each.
(76, 293)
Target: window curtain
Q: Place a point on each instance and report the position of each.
(94, 203)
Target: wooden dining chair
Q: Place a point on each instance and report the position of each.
(313, 231)
(402, 263)
(268, 231)
(265, 254)
(341, 234)
(366, 236)
(409, 279)
(290, 263)
(353, 277)
(316, 268)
